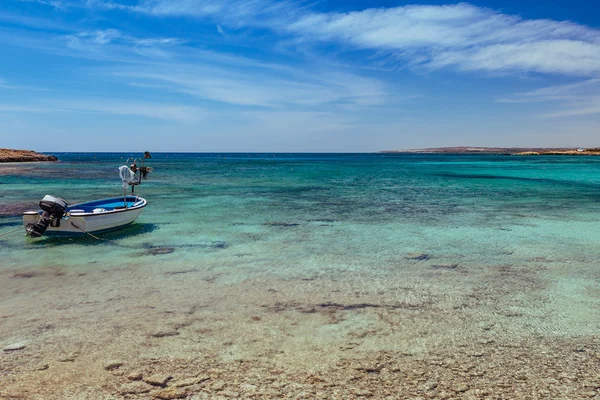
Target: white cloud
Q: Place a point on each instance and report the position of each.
(460, 36)
(32, 22)
(4, 84)
(172, 112)
(590, 108)
(565, 92)
(235, 13)
(271, 88)
(101, 36)
(15, 108)
(566, 57)
(575, 99)
(112, 44)
(60, 4)
(154, 41)
(105, 36)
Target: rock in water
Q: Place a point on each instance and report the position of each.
(14, 347)
(448, 266)
(156, 251)
(158, 380)
(418, 256)
(112, 365)
(169, 394)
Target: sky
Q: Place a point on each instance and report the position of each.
(298, 76)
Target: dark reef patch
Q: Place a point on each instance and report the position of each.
(25, 275)
(419, 257)
(329, 307)
(157, 251)
(187, 271)
(9, 210)
(281, 224)
(444, 266)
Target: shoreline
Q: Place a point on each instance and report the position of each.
(509, 151)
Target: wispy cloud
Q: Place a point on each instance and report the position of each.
(4, 84)
(100, 36)
(60, 4)
(462, 36)
(575, 99)
(9, 18)
(172, 112)
(234, 13)
(265, 89)
(105, 36)
(170, 65)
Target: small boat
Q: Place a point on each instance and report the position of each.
(57, 217)
(93, 217)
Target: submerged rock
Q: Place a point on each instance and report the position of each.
(281, 224)
(446, 266)
(160, 250)
(162, 334)
(418, 256)
(41, 367)
(112, 365)
(158, 380)
(135, 376)
(25, 275)
(169, 394)
(14, 347)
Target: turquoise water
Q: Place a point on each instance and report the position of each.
(482, 239)
(460, 209)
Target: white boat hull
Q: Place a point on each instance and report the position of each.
(76, 222)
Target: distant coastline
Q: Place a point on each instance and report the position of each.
(9, 155)
(517, 151)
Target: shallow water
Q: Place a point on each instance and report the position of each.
(408, 253)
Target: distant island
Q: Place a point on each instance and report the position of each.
(9, 155)
(518, 151)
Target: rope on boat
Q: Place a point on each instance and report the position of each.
(87, 233)
(8, 233)
(114, 243)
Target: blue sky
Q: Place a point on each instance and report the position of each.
(265, 75)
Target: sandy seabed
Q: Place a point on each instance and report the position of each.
(425, 331)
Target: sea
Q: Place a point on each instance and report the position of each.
(302, 261)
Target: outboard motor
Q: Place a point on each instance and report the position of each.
(53, 210)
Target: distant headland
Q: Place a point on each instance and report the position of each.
(517, 151)
(8, 155)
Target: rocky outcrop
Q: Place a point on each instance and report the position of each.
(8, 155)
